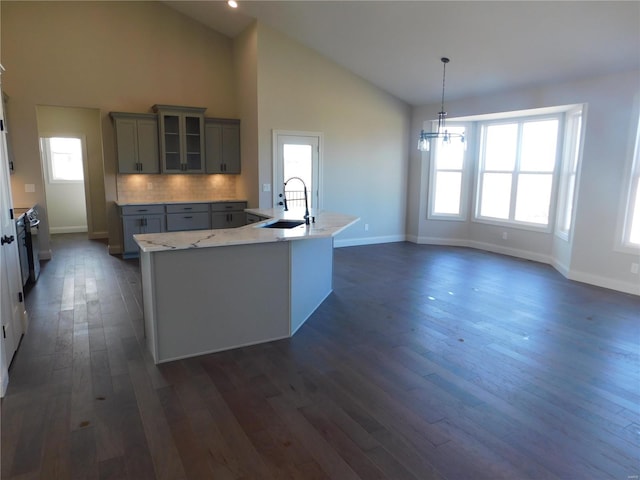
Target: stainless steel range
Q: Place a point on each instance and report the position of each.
(28, 226)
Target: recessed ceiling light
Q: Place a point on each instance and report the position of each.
(232, 3)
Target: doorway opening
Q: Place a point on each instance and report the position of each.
(63, 167)
(297, 155)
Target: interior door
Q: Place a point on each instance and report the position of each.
(11, 306)
(297, 154)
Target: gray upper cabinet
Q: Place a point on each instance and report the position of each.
(222, 145)
(136, 142)
(181, 131)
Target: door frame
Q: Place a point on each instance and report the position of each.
(44, 162)
(296, 133)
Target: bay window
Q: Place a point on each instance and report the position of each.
(516, 171)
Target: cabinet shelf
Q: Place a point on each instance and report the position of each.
(181, 138)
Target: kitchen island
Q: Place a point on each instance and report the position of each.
(211, 290)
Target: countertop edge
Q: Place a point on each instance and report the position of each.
(328, 224)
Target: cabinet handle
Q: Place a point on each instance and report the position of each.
(143, 210)
(140, 166)
(187, 208)
(4, 332)
(188, 216)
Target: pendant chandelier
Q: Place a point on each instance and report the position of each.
(424, 143)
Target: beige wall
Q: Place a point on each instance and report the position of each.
(82, 122)
(245, 58)
(366, 134)
(127, 56)
(112, 56)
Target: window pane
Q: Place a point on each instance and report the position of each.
(448, 190)
(297, 162)
(533, 197)
(496, 195)
(66, 159)
(634, 232)
(500, 151)
(539, 141)
(450, 155)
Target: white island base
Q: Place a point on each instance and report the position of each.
(203, 300)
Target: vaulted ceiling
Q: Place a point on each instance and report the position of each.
(493, 45)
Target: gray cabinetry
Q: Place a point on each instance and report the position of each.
(181, 131)
(188, 216)
(136, 142)
(253, 218)
(222, 145)
(140, 219)
(228, 214)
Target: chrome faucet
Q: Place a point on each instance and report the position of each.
(306, 201)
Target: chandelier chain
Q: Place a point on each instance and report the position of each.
(444, 73)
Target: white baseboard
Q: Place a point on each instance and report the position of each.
(564, 270)
(512, 252)
(355, 242)
(44, 254)
(560, 267)
(450, 242)
(604, 282)
(71, 229)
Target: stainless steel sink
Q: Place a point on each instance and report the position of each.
(284, 224)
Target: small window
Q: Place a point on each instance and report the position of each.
(64, 159)
(517, 164)
(448, 192)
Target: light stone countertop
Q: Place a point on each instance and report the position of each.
(327, 224)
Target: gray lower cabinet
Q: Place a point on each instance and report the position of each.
(188, 216)
(228, 214)
(140, 219)
(222, 145)
(136, 142)
(253, 218)
(177, 217)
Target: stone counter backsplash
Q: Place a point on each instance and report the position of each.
(161, 188)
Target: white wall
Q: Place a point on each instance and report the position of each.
(366, 133)
(610, 124)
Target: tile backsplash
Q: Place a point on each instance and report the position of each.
(138, 188)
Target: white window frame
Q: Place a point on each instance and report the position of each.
(46, 154)
(463, 214)
(631, 191)
(511, 222)
(573, 139)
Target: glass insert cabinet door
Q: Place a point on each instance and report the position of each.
(181, 131)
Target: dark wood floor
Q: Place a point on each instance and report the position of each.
(426, 362)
